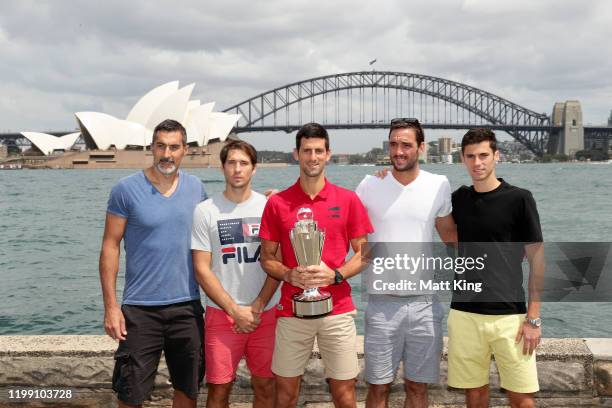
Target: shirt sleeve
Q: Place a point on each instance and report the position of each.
(118, 202)
(361, 188)
(204, 195)
(359, 222)
(200, 230)
(446, 206)
(531, 229)
(270, 222)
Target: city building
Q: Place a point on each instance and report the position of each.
(385, 147)
(445, 149)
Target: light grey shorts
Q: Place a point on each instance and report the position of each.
(407, 329)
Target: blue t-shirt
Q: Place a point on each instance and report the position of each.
(157, 239)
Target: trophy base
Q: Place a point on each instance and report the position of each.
(312, 308)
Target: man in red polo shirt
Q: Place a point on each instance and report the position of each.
(341, 215)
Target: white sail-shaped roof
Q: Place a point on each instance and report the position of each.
(132, 134)
(98, 127)
(48, 143)
(173, 107)
(106, 130)
(192, 104)
(196, 123)
(219, 126)
(144, 108)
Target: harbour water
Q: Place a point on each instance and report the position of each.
(52, 222)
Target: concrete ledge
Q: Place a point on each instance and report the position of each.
(572, 372)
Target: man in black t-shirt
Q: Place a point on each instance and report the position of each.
(501, 220)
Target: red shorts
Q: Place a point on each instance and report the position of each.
(224, 348)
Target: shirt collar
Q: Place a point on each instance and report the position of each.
(297, 188)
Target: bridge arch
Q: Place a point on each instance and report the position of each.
(526, 126)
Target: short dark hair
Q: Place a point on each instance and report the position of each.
(479, 135)
(309, 131)
(239, 145)
(170, 125)
(402, 123)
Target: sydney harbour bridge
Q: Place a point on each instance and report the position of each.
(370, 99)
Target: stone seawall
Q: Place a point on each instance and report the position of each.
(572, 372)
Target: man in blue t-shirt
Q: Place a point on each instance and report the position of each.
(151, 211)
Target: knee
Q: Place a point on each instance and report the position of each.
(183, 400)
(263, 388)
(286, 399)
(522, 402)
(415, 388)
(379, 390)
(477, 392)
(219, 392)
(344, 400)
(286, 396)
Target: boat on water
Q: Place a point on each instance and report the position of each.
(10, 166)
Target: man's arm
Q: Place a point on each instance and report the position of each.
(267, 291)
(323, 275)
(275, 268)
(447, 229)
(265, 294)
(531, 335)
(243, 317)
(114, 322)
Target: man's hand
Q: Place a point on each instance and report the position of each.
(531, 337)
(245, 320)
(269, 193)
(382, 173)
(114, 323)
(319, 275)
(296, 277)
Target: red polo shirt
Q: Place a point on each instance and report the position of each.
(338, 212)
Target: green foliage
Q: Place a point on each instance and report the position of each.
(554, 158)
(592, 155)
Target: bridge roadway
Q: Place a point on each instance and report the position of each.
(292, 128)
(595, 135)
(385, 125)
(380, 125)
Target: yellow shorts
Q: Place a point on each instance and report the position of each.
(336, 337)
(473, 338)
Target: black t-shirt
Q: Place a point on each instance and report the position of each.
(507, 218)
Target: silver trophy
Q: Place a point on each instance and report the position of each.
(307, 242)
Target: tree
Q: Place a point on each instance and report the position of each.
(593, 155)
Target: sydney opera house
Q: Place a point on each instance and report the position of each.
(113, 142)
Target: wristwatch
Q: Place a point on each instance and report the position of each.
(537, 322)
(338, 278)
